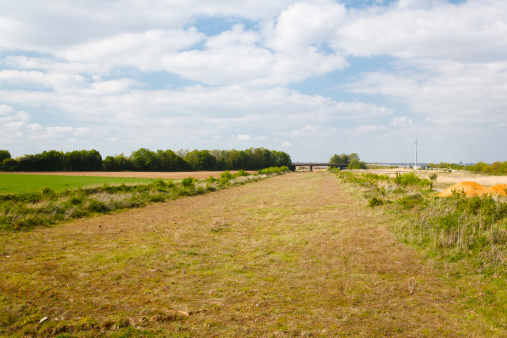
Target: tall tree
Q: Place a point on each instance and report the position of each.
(4, 154)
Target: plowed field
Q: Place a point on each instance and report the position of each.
(294, 255)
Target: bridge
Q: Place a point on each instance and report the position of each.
(312, 164)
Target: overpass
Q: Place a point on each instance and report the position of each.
(313, 164)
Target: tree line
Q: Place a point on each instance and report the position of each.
(480, 167)
(352, 160)
(147, 160)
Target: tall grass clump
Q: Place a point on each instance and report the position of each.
(26, 210)
(274, 170)
(469, 231)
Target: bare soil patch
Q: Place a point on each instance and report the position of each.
(142, 174)
(294, 255)
(471, 189)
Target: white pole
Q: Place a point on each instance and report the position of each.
(415, 166)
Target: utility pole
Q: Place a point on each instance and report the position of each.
(415, 166)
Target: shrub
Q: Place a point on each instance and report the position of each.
(96, 206)
(374, 201)
(187, 182)
(47, 191)
(225, 176)
(412, 179)
(410, 201)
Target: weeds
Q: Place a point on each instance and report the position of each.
(472, 231)
(24, 211)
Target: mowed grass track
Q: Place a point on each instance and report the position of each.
(294, 255)
(26, 183)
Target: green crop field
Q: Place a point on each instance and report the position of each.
(21, 183)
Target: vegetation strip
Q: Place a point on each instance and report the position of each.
(466, 235)
(26, 210)
(295, 255)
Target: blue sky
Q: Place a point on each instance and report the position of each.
(312, 78)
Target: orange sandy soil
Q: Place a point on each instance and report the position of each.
(291, 256)
(142, 174)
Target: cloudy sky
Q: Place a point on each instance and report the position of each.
(312, 78)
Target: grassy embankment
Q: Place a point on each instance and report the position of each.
(20, 211)
(295, 255)
(466, 237)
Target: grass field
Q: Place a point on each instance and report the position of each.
(22, 183)
(295, 255)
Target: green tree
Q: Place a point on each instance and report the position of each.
(8, 164)
(4, 154)
(201, 160)
(145, 160)
(52, 160)
(356, 164)
(342, 158)
(170, 161)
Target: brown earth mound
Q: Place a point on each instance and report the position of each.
(471, 189)
(499, 189)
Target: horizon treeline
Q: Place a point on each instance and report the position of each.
(147, 160)
(497, 167)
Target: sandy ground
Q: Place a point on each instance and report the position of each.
(164, 175)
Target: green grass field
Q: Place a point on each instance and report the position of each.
(21, 183)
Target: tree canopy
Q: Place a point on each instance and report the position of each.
(352, 160)
(144, 159)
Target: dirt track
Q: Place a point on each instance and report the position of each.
(294, 255)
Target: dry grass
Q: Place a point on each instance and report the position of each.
(294, 255)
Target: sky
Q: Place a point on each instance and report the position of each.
(312, 78)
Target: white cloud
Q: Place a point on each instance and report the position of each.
(91, 66)
(238, 56)
(142, 50)
(287, 145)
(304, 26)
(370, 129)
(55, 25)
(243, 137)
(453, 93)
(401, 121)
(475, 30)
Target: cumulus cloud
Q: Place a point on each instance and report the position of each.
(87, 68)
(401, 121)
(243, 137)
(142, 50)
(474, 30)
(238, 56)
(21, 135)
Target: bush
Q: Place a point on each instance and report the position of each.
(412, 179)
(274, 170)
(356, 164)
(374, 201)
(187, 182)
(96, 206)
(225, 176)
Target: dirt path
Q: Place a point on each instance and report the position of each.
(295, 255)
